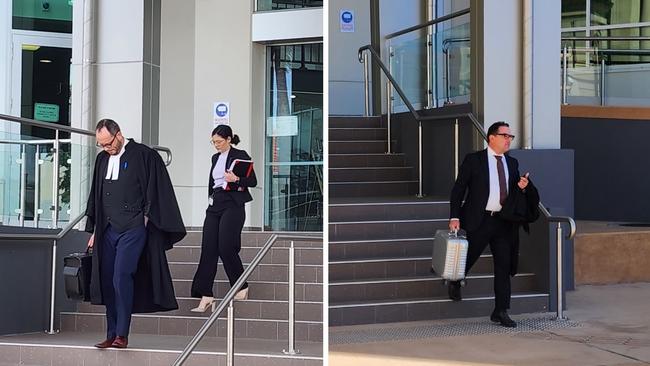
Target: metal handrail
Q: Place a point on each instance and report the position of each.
(429, 23)
(605, 38)
(479, 127)
(230, 295)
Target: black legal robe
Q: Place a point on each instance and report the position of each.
(153, 287)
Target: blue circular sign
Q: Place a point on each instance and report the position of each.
(221, 110)
(346, 17)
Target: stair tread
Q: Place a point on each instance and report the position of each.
(387, 259)
(335, 304)
(381, 200)
(167, 344)
(431, 277)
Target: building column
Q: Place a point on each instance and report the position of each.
(127, 66)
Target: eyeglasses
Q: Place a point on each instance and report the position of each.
(104, 146)
(506, 136)
(217, 142)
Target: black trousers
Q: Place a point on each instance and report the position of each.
(222, 228)
(499, 235)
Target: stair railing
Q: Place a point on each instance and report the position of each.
(369, 50)
(228, 302)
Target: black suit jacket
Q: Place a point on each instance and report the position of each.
(240, 197)
(473, 185)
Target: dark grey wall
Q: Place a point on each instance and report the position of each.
(611, 175)
(25, 268)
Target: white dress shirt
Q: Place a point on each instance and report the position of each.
(219, 170)
(113, 171)
(493, 203)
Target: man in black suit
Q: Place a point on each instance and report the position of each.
(483, 182)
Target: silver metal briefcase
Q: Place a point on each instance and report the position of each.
(449, 255)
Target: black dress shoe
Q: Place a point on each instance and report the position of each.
(454, 290)
(503, 318)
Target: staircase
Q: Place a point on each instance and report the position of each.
(261, 325)
(381, 239)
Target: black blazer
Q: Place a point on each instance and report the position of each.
(473, 185)
(240, 197)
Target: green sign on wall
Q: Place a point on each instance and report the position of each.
(54, 9)
(46, 112)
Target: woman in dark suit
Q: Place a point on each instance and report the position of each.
(224, 219)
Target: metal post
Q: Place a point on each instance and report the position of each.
(559, 272)
(55, 181)
(456, 149)
(23, 186)
(51, 330)
(564, 75)
(420, 195)
(37, 182)
(429, 87)
(366, 84)
(388, 108)
(230, 341)
(602, 81)
(447, 58)
(291, 350)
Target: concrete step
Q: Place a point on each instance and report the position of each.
(248, 309)
(369, 188)
(357, 133)
(357, 147)
(400, 210)
(384, 248)
(358, 174)
(431, 308)
(385, 229)
(256, 239)
(365, 160)
(354, 122)
(377, 267)
(266, 272)
(157, 324)
(280, 255)
(76, 349)
(259, 290)
(396, 288)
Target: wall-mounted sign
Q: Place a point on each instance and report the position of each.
(46, 112)
(221, 113)
(282, 126)
(346, 20)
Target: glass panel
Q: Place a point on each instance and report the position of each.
(408, 65)
(574, 13)
(453, 64)
(605, 12)
(264, 5)
(42, 15)
(294, 138)
(32, 158)
(583, 77)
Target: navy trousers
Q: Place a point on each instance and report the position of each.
(120, 255)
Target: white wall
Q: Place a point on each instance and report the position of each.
(502, 64)
(284, 25)
(345, 72)
(5, 55)
(546, 74)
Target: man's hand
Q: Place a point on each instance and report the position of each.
(230, 177)
(91, 241)
(146, 220)
(454, 225)
(523, 181)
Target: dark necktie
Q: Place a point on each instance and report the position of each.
(502, 180)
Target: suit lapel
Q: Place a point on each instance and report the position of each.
(485, 169)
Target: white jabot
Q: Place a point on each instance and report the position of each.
(219, 170)
(493, 200)
(113, 171)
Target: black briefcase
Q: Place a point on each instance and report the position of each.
(77, 269)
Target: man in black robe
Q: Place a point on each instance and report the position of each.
(134, 218)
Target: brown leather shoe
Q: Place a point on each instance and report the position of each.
(120, 342)
(106, 343)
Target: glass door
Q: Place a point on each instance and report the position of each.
(41, 91)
